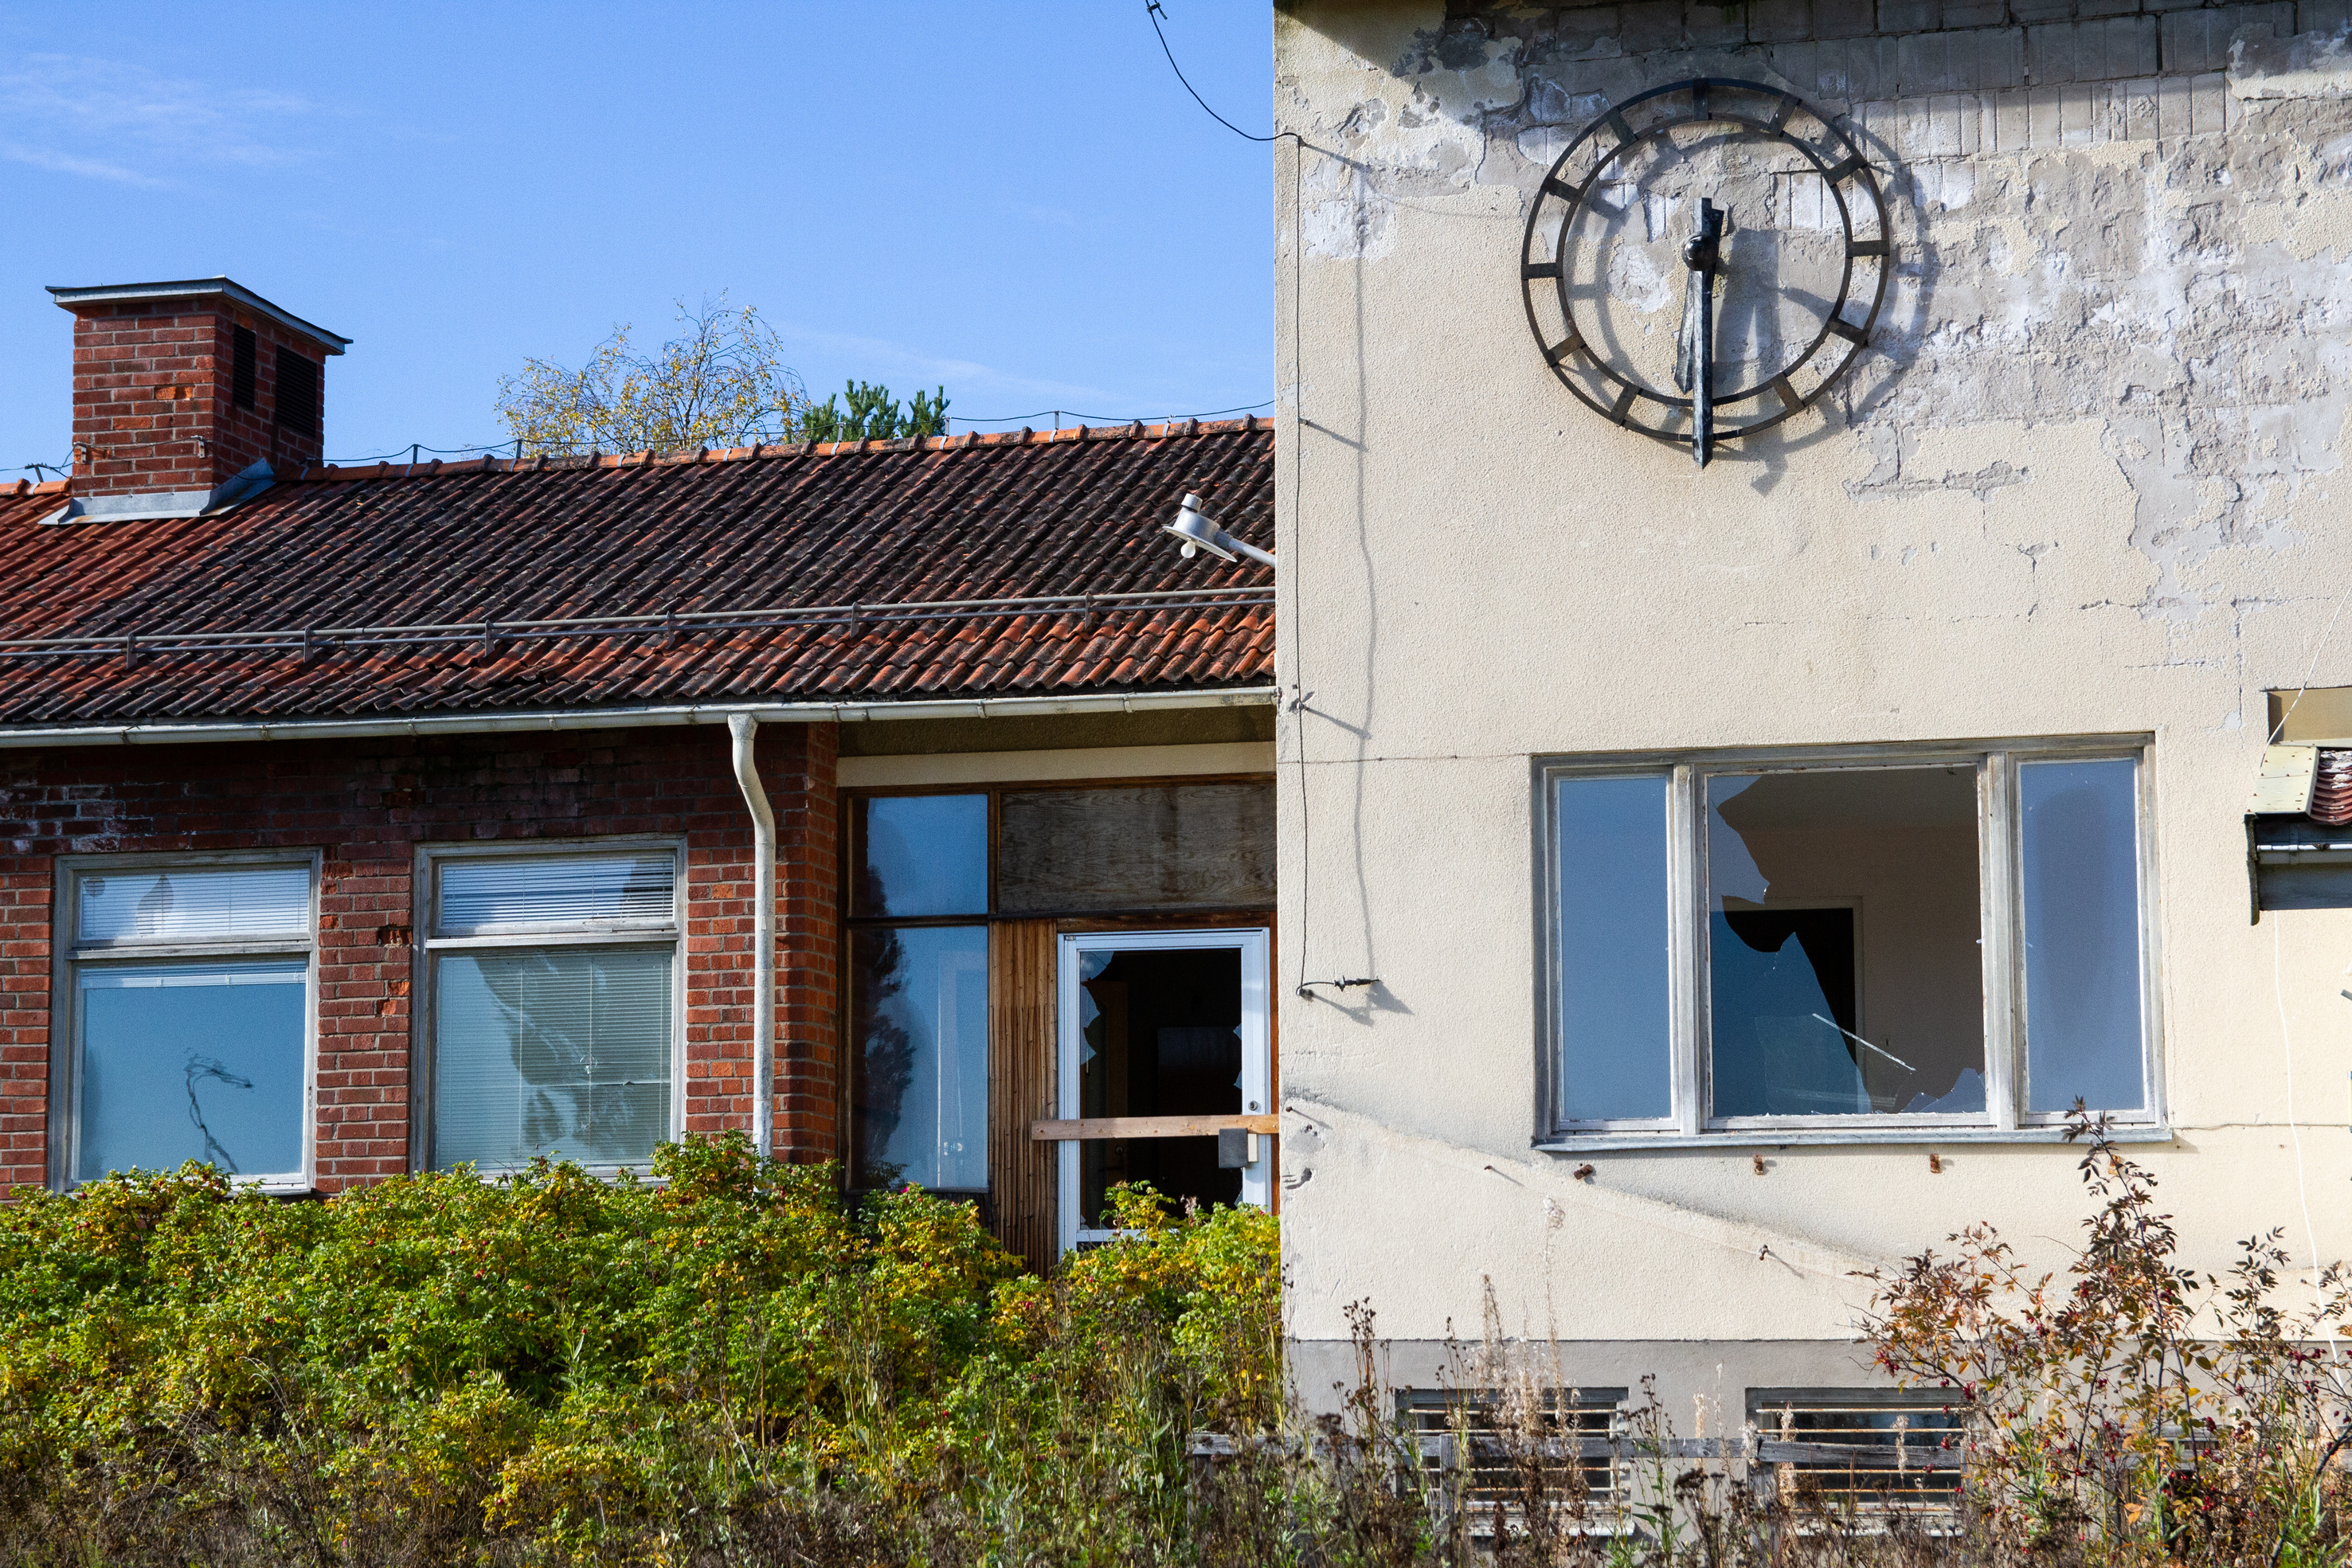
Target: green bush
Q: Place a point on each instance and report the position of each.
(725, 1364)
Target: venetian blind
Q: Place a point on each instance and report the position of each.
(195, 905)
(505, 893)
(562, 1050)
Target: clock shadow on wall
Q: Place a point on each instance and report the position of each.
(1707, 261)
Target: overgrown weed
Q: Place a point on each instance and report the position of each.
(733, 1366)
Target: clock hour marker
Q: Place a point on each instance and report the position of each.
(1617, 410)
(1789, 401)
(1780, 120)
(1845, 329)
(1616, 122)
(1571, 345)
(1837, 172)
(1868, 247)
(1564, 190)
(1535, 269)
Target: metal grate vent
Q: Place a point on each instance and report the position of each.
(1868, 1451)
(241, 367)
(298, 392)
(1467, 1441)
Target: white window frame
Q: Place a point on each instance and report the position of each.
(1255, 942)
(71, 954)
(2000, 876)
(429, 946)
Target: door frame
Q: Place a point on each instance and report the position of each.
(1255, 945)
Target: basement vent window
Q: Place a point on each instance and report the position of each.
(1859, 1452)
(241, 367)
(1849, 944)
(298, 393)
(1487, 1452)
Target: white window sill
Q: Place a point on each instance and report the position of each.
(1848, 1137)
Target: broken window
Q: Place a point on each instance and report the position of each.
(553, 994)
(1159, 1034)
(189, 990)
(1843, 970)
(1743, 943)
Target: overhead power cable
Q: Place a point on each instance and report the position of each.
(1151, 9)
(1103, 420)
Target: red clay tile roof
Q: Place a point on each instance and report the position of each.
(205, 618)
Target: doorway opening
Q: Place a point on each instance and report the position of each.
(1164, 1035)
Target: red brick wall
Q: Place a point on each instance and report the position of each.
(154, 405)
(808, 848)
(367, 805)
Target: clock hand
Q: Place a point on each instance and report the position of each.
(1695, 353)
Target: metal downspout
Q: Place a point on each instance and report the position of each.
(744, 727)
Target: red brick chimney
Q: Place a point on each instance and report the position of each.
(189, 395)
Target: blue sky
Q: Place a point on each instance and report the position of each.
(1014, 198)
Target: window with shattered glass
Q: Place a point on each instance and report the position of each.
(1888, 937)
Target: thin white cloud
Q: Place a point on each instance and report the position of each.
(966, 378)
(110, 120)
(58, 162)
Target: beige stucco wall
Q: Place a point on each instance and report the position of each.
(2088, 482)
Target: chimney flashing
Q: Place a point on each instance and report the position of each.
(194, 287)
(156, 506)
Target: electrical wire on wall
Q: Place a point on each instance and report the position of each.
(1296, 621)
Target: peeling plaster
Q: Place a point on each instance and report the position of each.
(2180, 281)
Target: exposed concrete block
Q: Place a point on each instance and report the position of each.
(2030, 11)
(1910, 15)
(1801, 64)
(2102, 50)
(2089, 8)
(2193, 41)
(1981, 59)
(1652, 24)
(1711, 23)
(2323, 16)
(1843, 18)
(1780, 21)
(1587, 32)
(1975, 13)
(2136, 105)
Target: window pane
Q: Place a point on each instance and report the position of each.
(508, 891)
(561, 1050)
(191, 1061)
(922, 854)
(919, 1020)
(2082, 1029)
(1844, 973)
(192, 904)
(1614, 1025)
(1172, 846)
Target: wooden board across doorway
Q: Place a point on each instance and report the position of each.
(1022, 1175)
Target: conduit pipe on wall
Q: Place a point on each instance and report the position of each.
(744, 728)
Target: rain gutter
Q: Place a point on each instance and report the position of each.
(215, 732)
